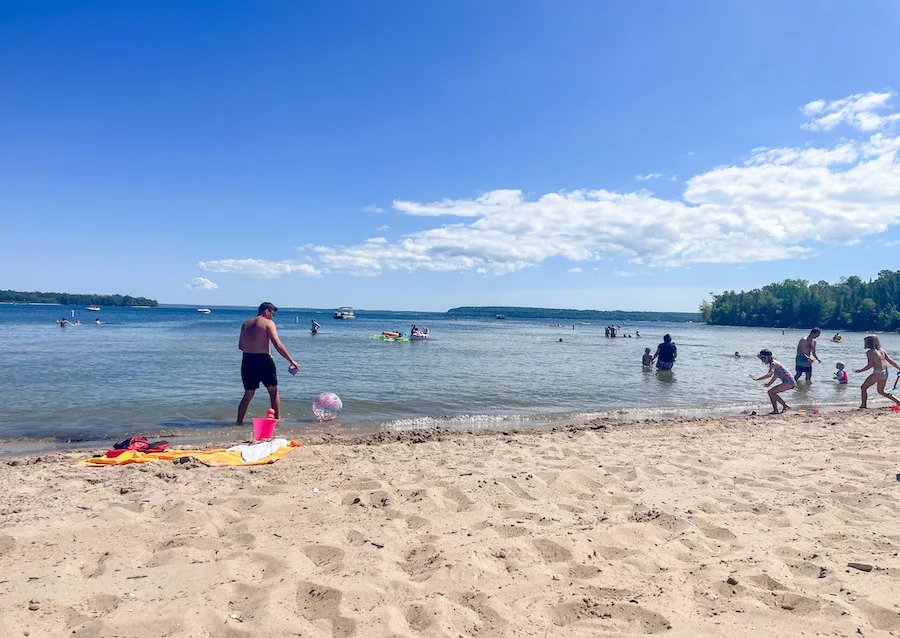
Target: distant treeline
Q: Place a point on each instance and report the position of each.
(67, 299)
(514, 312)
(850, 304)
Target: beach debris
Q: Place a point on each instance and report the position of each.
(315, 490)
(822, 572)
(863, 567)
(236, 617)
(556, 577)
(34, 605)
(732, 580)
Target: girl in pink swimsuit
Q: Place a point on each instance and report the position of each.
(878, 362)
(776, 371)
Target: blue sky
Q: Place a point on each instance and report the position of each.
(410, 155)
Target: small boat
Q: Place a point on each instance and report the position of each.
(94, 308)
(500, 317)
(204, 311)
(418, 336)
(400, 339)
(344, 312)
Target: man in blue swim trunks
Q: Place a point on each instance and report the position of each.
(257, 365)
(806, 352)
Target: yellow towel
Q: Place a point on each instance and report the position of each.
(215, 458)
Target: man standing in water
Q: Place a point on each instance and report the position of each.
(806, 352)
(257, 365)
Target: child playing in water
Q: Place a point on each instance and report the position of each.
(841, 374)
(647, 359)
(776, 370)
(878, 362)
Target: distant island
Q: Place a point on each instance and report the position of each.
(849, 304)
(515, 312)
(68, 299)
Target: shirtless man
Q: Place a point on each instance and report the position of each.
(806, 352)
(257, 365)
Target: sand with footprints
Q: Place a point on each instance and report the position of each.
(719, 527)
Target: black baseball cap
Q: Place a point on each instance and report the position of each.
(267, 305)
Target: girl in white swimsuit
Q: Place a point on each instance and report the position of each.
(776, 371)
(878, 361)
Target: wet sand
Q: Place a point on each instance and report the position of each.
(718, 527)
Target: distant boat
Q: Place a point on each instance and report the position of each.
(94, 308)
(204, 311)
(500, 317)
(344, 312)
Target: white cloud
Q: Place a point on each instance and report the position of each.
(382, 228)
(258, 267)
(691, 153)
(493, 201)
(624, 273)
(202, 283)
(374, 209)
(782, 203)
(644, 178)
(574, 269)
(857, 111)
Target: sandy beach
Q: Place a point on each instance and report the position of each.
(718, 527)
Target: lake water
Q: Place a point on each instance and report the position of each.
(173, 371)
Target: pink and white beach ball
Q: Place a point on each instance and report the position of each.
(327, 406)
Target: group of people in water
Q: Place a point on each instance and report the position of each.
(611, 332)
(64, 322)
(877, 361)
(415, 331)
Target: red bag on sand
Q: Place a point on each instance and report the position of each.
(136, 444)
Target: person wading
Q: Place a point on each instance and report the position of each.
(257, 365)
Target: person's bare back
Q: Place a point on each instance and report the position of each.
(256, 335)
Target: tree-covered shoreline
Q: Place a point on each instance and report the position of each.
(848, 304)
(69, 299)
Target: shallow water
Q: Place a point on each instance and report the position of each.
(172, 370)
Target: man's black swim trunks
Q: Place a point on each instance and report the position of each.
(256, 368)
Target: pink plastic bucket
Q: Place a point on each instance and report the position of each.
(263, 428)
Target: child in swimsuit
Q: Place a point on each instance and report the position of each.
(647, 359)
(878, 361)
(776, 371)
(841, 374)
